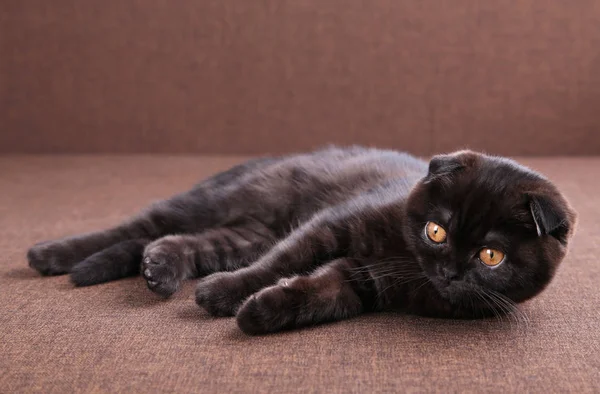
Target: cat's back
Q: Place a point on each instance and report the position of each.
(334, 172)
(353, 163)
(297, 186)
(331, 164)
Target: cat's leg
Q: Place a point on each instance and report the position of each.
(353, 229)
(170, 260)
(203, 207)
(117, 261)
(59, 256)
(324, 237)
(327, 294)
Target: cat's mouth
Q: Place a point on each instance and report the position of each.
(453, 290)
(443, 285)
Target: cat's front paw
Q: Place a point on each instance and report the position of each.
(51, 258)
(163, 266)
(271, 309)
(222, 293)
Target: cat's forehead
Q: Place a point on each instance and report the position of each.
(489, 195)
(495, 177)
(478, 192)
(468, 172)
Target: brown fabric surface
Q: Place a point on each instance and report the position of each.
(119, 337)
(227, 76)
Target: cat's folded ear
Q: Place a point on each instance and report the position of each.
(444, 166)
(552, 216)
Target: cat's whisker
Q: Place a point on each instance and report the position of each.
(424, 283)
(391, 274)
(382, 267)
(390, 258)
(504, 310)
(386, 268)
(392, 270)
(490, 306)
(472, 305)
(380, 293)
(369, 269)
(512, 308)
(507, 307)
(405, 279)
(379, 277)
(384, 274)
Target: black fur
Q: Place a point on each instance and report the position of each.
(303, 239)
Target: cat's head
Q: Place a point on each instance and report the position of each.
(480, 223)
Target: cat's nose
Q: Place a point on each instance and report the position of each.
(449, 273)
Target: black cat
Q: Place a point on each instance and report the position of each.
(297, 240)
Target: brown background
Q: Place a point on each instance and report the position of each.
(518, 77)
(227, 76)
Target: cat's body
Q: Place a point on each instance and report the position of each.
(333, 233)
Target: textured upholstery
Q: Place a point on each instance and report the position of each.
(119, 337)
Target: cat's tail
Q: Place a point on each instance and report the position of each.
(115, 262)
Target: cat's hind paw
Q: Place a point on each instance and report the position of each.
(51, 258)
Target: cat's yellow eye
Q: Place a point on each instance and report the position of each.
(435, 232)
(491, 257)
